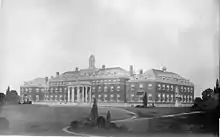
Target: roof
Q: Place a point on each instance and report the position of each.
(160, 73)
(36, 82)
(161, 76)
(92, 74)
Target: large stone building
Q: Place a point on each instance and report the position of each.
(110, 85)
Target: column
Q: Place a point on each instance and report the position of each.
(73, 90)
(86, 100)
(90, 94)
(78, 93)
(68, 95)
(83, 97)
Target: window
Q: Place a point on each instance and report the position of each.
(184, 98)
(159, 97)
(181, 98)
(171, 87)
(118, 88)
(187, 100)
(112, 88)
(139, 93)
(163, 87)
(109, 80)
(163, 98)
(112, 97)
(60, 89)
(118, 97)
(168, 87)
(99, 87)
(37, 97)
(100, 97)
(51, 90)
(65, 89)
(168, 98)
(132, 97)
(93, 96)
(105, 98)
(26, 89)
(51, 97)
(132, 87)
(37, 90)
(188, 89)
(149, 86)
(105, 89)
(141, 86)
(171, 97)
(30, 98)
(150, 97)
(181, 89)
(184, 89)
(159, 87)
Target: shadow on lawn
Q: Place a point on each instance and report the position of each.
(193, 123)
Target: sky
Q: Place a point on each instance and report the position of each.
(42, 37)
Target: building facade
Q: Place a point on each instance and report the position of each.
(162, 87)
(110, 85)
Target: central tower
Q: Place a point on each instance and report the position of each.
(92, 61)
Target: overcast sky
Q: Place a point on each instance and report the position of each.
(41, 37)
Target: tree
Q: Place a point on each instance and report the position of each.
(198, 100)
(8, 91)
(145, 99)
(94, 111)
(108, 119)
(217, 83)
(12, 96)
(207, 94)
(2, 97)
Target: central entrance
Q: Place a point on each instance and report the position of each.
(79, 93)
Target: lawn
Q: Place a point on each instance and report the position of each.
(46, 120)
(158, 111)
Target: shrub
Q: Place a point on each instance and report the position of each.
(101, 122)
(113, 126)
(74, 124)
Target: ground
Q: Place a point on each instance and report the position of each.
(157, 112)
(32, 119)
(50, 120)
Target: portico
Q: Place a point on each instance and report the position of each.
(79, 92)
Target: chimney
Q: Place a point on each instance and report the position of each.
(77, 69)
(164, 69)
(141, 71)
(131, 70)
(46, 80)
(57, 74)
(103, 66)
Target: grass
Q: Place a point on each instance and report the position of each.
(158, 111)
(45, 120)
